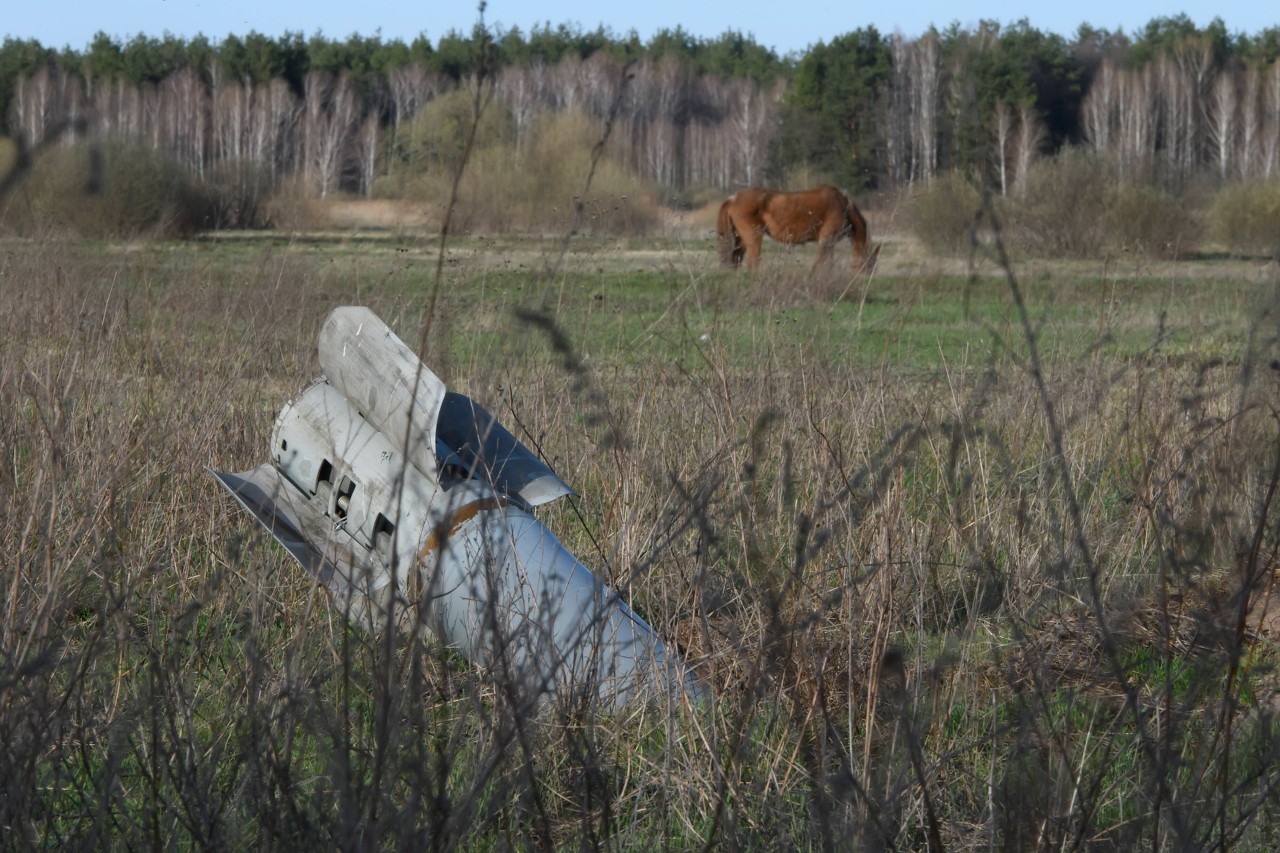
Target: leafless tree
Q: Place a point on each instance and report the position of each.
(35, 105)
(1179, 114)
(1184, 81)
(521, 88)
(926, 77)
(183, 118)
(564, 84)
(899, 124)
(1271, 122)
(752, 112)
(707, 149)
(410, 87)
(601, 75)
(368, 145)
(1136, 123)
(73, 104)
(276, 114)
(1222, 114)
(1002, 127)
(913, 108)
(1027, 142)
(1249, 136)
(331, 115)
(1098, 110)
(662, 89)
(231, 123)
(153, 130)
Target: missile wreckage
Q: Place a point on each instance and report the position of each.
(407, 501)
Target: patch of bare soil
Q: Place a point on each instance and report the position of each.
(370, 214)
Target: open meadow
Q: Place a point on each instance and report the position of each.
(970, 559)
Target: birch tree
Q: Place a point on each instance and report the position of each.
(34, 105)
(410, 87)
(276, 114)
(926, 79)
(330, 117)
(1221, 113)
(1098, 111)
(900, 123)
(231, 123)
(751, 119)
(184, 119)
(1135, 111)
(1002, 128)
(368, 144)
(1249, 131)
(520, 88)
(1271, 122)
(1027, 141)
(72, 103)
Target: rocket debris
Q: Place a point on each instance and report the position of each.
(407, 501)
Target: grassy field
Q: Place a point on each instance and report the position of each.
(970, 560)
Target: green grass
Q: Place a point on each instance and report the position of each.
(621, 302)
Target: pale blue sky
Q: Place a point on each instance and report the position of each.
(784, 25)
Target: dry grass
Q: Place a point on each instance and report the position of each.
(389, 215)
(913, 638)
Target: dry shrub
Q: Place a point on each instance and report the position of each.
(1075, 206)
(619, 202)
(113, 189)
(941, 212)
(872, 565)
(292, 208)
(436, 140)
(1245, 218)
(239, 192)
(8, 156)
(1061, 212)
(534, 186)
(1150, 222)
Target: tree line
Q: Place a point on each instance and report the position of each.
(1166, 104)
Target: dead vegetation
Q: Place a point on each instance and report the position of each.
(912, 639)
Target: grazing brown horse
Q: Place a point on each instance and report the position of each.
(823, 213)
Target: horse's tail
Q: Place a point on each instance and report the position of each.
(727, 236)
(864, 253)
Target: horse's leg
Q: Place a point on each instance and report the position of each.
(829, 233)
(731, 248)
(861, 261)
(826, 247)
(737, 250)
(753, 237)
